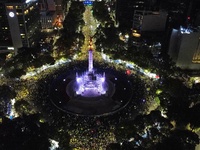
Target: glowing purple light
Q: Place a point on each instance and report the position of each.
(87, 84)
(90, 84)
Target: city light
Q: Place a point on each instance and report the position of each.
(87, 2)
(185, 30)
(89, 83)
(54, 144)
(28, 1)
(133, 98)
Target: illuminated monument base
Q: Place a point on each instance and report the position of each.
(91, 84)
(96, 98)
(91, 93)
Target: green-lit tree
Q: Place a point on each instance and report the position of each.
(22, 107)
(144, 131)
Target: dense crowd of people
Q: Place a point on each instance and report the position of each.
(85, 132)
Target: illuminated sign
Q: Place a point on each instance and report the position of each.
(11, 14)
(87, 2)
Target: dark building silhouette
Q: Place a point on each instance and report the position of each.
(125, 10)
(184, 48)
(20, 23)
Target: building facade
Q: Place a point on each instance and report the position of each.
(21, 19)
(184, 48)
(5, 37)
(149, 20)
(52, 14)
(47, 20)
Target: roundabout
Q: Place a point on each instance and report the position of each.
(91, 91)
(118, 94)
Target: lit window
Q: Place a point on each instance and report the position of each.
(11, 48)
(9, 7)
(196, 56)
(26, 12)
(31, 8)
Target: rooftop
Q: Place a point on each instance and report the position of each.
(188, 30)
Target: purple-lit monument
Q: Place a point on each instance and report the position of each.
(94, 92)
(90, 84)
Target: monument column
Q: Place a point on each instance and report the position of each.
(90, 56)
(90, 60)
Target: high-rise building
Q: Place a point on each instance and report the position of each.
(193, 14)
(149, 20)
(21, 19)
(51, 5)
(184, 48)
(52, 14)
(59, 7)
(43, 5)
(5, 36)
(125, 9)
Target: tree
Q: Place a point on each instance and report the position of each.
(16, 73)
(125, 130)
(194, 116)
(101, 13)
(22, 107)
(164, 98)
(24, 133)
(179, 139)
(113, 146)
(175, 87)
(6, 94)
(47, 59)
(17, 66)
(64, 139)
(145, 131)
